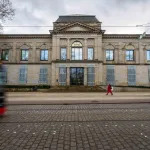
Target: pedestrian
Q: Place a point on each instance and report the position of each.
(109, 89)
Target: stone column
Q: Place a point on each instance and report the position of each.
(116, 55)
(100, 74)
(53, 75)
(96, 69)
(68, 76)
(141, 53)
(98, 48)
(54, 49)
(58, 48)
(33, 56)
(68, 49)
(85, 76)
(85, 50)
(136, 55)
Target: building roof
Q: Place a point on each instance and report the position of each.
(77, 18)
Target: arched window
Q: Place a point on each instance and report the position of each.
(76, 53)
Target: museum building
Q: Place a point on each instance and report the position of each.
(76, 52)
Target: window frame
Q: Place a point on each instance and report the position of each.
(109, 54)
(44, 54)
(43, 76)
(23, 75)
(80, 48)
(88, 53)
(128, 50)
(26, 50)
(4, 50)
(61, 53)
(147, 55)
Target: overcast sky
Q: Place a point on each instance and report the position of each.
(109, 12)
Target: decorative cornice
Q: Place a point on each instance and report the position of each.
(26, 63)
(124, 36)
(76, 32)
(25, 36)
(77, 61)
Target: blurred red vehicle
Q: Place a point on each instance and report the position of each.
(2, 91)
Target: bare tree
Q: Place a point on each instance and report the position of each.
(6, 11)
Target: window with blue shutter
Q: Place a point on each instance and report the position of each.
(131, 75)
(43, 76)
(149, 73)
(110, 77)
(3, 75)
(62, 75)
(23, 75)
(91, 76)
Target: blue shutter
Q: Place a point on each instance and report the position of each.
(91, 76)
(131, 75)
(3, 75)
(23, 75)
(110, 77)
(43, 76)
(62, 75)
(149, 73)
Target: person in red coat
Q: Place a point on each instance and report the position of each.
(109, 89)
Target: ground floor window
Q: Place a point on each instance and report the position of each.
(149, 73)
(43, 76)
(131, 75)
(62, 75)
(77, 76)
(3, 75)
(23, 75)
(110, 77)
(91, 76)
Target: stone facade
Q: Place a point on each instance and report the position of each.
(90, 35)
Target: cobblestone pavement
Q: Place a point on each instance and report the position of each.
(76, 127)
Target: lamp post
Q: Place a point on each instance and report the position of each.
(147, 28)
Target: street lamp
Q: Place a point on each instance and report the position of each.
(144, 33)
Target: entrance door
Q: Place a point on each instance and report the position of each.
(76, 76)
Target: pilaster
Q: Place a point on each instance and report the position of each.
(68, 76)
(68, 49)
(85, 76)
(85, 50)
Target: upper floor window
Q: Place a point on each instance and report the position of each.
(90, 53)
(76, 53)
(109, 55)
(129, 55)
(24, 54)
(63, 54)
(4, 55)
(44, 54)
(148, 55)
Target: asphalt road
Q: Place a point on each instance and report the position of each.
(76, 127)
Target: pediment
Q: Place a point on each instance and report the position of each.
(77, 27)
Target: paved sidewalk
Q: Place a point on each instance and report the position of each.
(76, 98)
